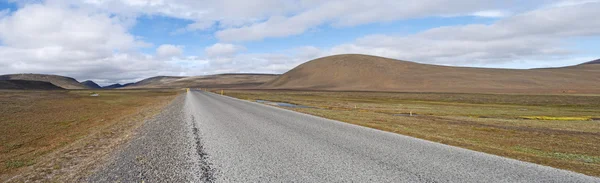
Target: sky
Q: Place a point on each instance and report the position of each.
(121, 41)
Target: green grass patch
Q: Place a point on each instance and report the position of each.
(560, 155)
(558, 118)
(11, 164)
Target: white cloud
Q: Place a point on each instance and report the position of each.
(274, 27)
(241, 20)
(4, 13)
(227, 12)
(201, 25)
(167, 50)
(65, 40)
(349, 13)
(223, 50)
(89, 39)
(491, 14)
(308, 52)
(54, 39)
(535, 35)
(571, 2)
(255, 63)
(42, 26)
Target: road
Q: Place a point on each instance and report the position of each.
(205, 137)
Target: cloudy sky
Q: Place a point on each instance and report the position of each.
(122, 41)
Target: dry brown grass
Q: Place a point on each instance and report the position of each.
(495, 124)
(39, 127)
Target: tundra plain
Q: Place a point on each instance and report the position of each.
(57, 135)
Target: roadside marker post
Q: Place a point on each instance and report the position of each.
(221, 92)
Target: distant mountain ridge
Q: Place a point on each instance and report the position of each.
(115, 86)
(353, 72)
(61, 81)
(91, 84)
(227, 80)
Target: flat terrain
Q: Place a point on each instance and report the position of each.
(561, 131)
(51, 135)
(206, 137)
(370, 73)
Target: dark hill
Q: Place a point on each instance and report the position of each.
(91, 84)
(115, 86)
(592, 62)
(28, 85)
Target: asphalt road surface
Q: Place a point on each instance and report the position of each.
(205, 137)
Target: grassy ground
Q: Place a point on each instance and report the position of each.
(554, 130)
(40, 124)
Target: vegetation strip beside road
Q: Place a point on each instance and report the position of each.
(59, 135)
(560, 131)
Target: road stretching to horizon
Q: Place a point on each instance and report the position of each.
(205, 137)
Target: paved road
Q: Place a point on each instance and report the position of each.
(205, 137)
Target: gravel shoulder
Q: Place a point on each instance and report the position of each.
(163, 150)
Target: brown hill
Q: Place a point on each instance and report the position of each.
(154, 82)
(370, 73)
(61, 81)
(210, 81)
(28, 85)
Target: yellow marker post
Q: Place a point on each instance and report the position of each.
(221, 92)
(188, 89)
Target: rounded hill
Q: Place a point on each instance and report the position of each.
(91, 84)
(353, 72)
(61, 81)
